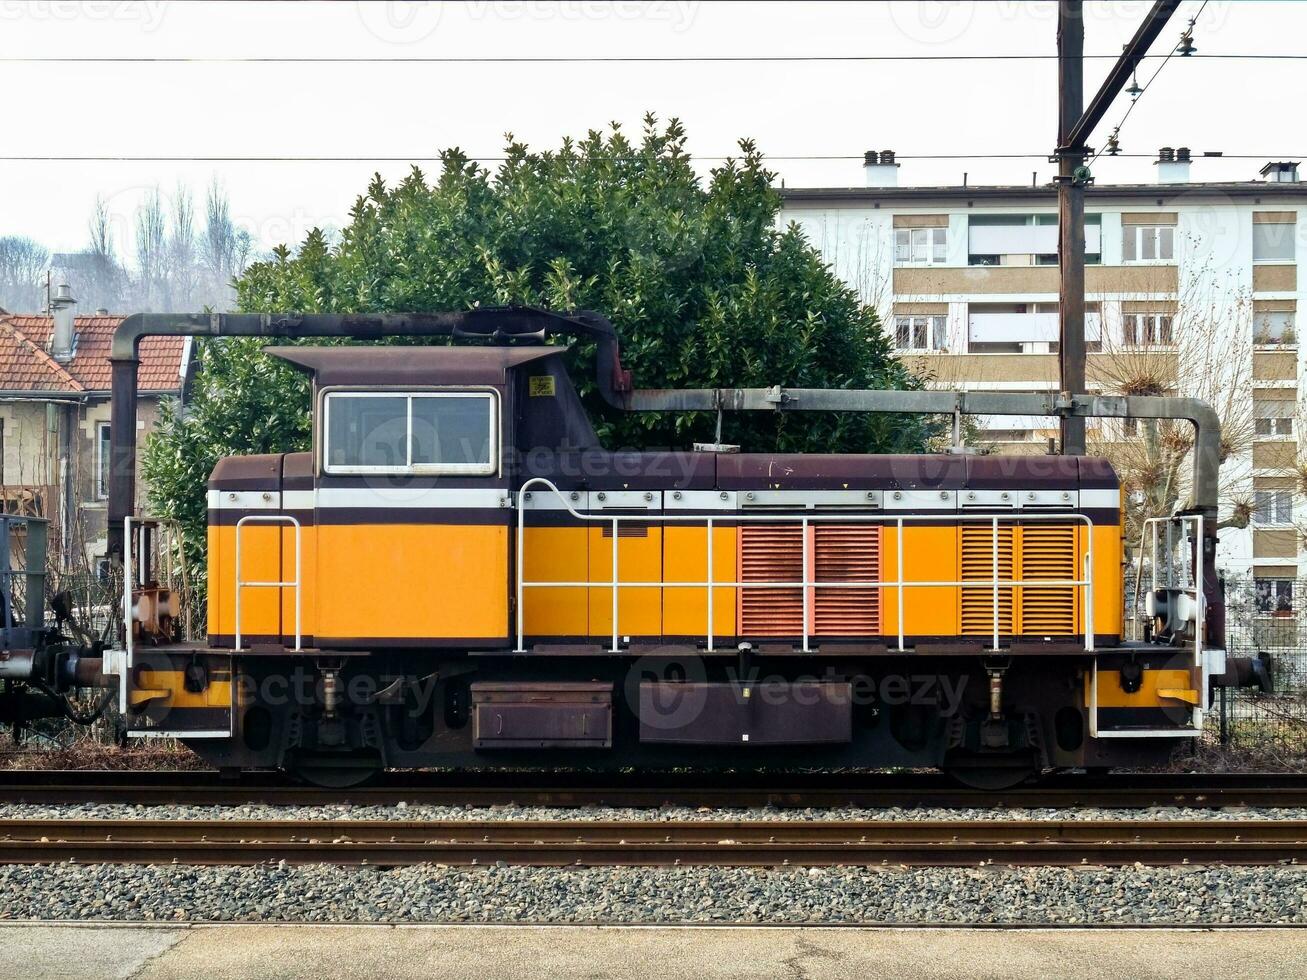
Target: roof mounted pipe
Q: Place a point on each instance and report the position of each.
(528, 325)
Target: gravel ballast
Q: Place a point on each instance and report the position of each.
(432, 893)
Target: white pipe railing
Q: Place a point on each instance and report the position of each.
(804, 520)
(241, 584)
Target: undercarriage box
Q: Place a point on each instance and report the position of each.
(771, 713)
(527, 715)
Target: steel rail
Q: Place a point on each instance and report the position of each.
(654, 843)
(206, 788)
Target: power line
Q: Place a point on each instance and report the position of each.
(588, 59)
(426, 158)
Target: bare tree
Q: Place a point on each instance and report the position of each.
(22, 273)
(182, 272)
(225, 248)
(151, 251)
(105, 276)
(1198, 346)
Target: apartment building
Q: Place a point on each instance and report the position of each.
(1191, 288)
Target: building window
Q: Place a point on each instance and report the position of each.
(1274, 327)
(1273, 507)
(919, 332)
(1025, 239)
(920, 246)
(1275, 595)
(419, 433)
(1147, 330)
(1148, 243)
(1273, 417)
(102, 461)
(1274, 242)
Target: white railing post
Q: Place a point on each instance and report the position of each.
(899, 583)
(710, 578)
(521, 572)
(615, 648)
(995, 528)
(807, 600)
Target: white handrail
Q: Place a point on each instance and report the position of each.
(804, 519)
(241, 584)
(1148, 535)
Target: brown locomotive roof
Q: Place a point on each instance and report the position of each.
(394, 365)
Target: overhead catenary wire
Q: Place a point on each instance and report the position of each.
(592, 59)
(1152, 78)
(500, 158)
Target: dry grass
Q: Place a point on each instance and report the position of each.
(90, 753)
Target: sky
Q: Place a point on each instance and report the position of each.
(210, 105)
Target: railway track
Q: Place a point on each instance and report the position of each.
(200, 788)
(589, 843)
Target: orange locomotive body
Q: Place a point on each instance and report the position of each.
(457, 573)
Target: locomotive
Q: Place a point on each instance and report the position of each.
(459, 574)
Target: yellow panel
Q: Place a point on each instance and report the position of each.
(216, 695)
(406, 580)
(555, 554)
(1109, 606)
(929, 554)
(639, 559)
(217, 569)
(261, 547)
(685, 559)
(1110, 694)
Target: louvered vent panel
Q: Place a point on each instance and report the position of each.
(771, 553)
(1048, 552)
(846, 553)
(978, 564)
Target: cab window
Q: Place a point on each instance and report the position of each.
(446, 432)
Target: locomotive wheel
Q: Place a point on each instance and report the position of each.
(994, 776)
(331, 771)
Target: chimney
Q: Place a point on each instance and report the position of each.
(61, 309)
(1173, 165)
(880, 168)
(1281, 171)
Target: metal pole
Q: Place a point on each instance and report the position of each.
(1071, 217)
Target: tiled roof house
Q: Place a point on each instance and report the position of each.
(54, 419)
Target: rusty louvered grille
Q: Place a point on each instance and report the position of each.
(771, 553)
(978, 564)
(1048, 551)
(846, 553)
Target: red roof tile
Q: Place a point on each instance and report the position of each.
(161, 357)
(25, 366)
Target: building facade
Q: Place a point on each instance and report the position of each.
(1191, 288)
(54, 421)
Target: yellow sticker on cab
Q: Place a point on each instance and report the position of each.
(541, 386)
